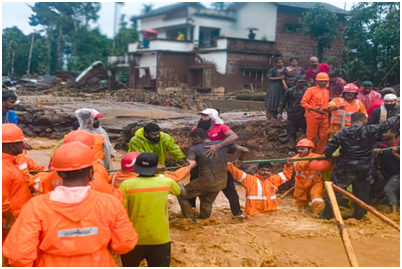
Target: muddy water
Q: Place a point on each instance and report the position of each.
(283, 238)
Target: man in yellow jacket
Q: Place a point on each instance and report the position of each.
(151, 139)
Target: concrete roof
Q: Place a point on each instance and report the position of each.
(166, 9)
(301, 5)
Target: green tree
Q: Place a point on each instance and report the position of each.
(13, 40)
(322, 24)
(372, 43)
(125, 35)
(146, 8)
(220, 5)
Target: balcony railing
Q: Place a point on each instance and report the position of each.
(162, 44)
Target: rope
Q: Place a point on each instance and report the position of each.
(243, 162)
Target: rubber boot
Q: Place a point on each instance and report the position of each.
(394, 209)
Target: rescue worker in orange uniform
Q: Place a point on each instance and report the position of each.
(14, 187)
(343, 107)
(127, 170)
(261, 187)
(315, 101)
(72, 226)
(48, 181)
(26, 164)
(308, 184)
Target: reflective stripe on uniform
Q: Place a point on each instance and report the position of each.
(113, 178)
(317, 200)
(259, 188)
(23, 166)
(242, 177)
(273, 197)
(256, 198)
(283, 177)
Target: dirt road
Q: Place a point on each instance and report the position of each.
(285, 237)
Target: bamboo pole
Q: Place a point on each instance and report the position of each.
(286, 193)
(367, 207)
(251, 161)
(341, 226)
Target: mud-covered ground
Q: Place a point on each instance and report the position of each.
(285, 237)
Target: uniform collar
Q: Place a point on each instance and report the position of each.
(8, 157)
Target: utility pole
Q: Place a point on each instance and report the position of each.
(30, 53)
(116, 22)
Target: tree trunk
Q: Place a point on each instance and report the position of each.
(12, 63)
(49, 52)
(9, 56)
(320, 52)
(30, 53)
(59, 59)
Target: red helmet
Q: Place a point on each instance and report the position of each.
(352, 88)
(128, 161)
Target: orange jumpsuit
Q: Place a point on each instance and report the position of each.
(13, 183)
(54, 234)
(341, 118)
(260, 193)
(48, 181)
(117, 178)
(308, 184)
(317, 124)
(6, 205)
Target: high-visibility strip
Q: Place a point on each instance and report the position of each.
(256, 197)
(313, 175)
(317, 200)
(283, 177)
(273, 197)
(113, 178)
(23, 166)
(148, 190)
(161, 175)
(259, 188)
(301, 175)
(242, 177)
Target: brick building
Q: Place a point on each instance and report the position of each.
(219, 54)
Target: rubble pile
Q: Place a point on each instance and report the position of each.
(44, 121)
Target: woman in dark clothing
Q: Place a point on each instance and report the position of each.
(275, 89)
(291, 72)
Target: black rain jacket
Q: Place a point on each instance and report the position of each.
(357, 143)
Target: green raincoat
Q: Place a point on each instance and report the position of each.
(166, 144)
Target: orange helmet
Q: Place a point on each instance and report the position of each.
(128, 161)
(320, 165)
(12, 133)
(80, 136)
(72, 156)
(322, 77)
(305, 143)
(352, 88)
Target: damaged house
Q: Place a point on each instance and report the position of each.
(216, 52)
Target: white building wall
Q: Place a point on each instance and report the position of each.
(148, 60)
(158, 22)
(227, 27)
(219, 58)
(261, 15)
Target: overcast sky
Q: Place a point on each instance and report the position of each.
(17, 13)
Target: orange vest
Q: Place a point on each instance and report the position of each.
(343, 117)
(261, 193)
(317, 98)
(98, 147)
(14, 186)
(48, 181)
(54, 234)
(305, 177)
(117, 178)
